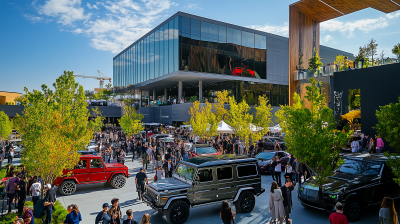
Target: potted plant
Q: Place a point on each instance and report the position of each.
(314, 63)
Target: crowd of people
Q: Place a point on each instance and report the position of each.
(367, 144)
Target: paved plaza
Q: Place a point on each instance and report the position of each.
(90, 198)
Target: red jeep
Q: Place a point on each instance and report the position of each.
(91, 169)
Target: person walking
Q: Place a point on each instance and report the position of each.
(145, 160)
(354, 146)
(49, 201)
(299, 171)
(387, 213)
(103, 216)
(276, 203)
(169, 167)
(287, 199)
(272, 169)
(74, 217)
(338, 217)
(21, 189)
(288, 170)
(140, 180)
(145, 219)
(159, 173)
(115, 211)
(35, 190)
(130, 219)
(10, 190)
(379, 145)
(278, 170)
(226, 214)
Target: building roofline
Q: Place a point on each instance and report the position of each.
(8, 92)
(204, 19)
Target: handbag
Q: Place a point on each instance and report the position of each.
(155, 176)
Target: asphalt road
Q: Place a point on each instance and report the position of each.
(90, 198)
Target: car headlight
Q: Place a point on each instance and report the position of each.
(157, 199)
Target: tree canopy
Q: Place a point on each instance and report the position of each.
(131, 121)
(310, 133)
(5, 126)
(54, 126)
(388, 127)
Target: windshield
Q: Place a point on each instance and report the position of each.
(205, 150)
(266, 156)
(360, 167)
(185, 171)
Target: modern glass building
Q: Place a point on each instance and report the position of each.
(188, 56)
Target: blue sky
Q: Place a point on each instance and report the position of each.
(42, 38)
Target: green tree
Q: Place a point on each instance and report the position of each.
(314, 62)
(262, 118)
(372, 49)
(131, 122)
(240, 120)
(388, 127)
(361, 54)
(89, 94)
(219, 107)
(354, 99)
(198, 120)
(5, 127)
(340, 61)
(109, 86)
(54, 126)
(396, 50)
(310, 134)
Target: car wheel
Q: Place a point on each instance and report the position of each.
(118, 181)
(178, 212)
(67, 187)
(353, 210)
(246, 202)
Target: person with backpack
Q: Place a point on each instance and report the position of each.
(27, 215)
(130, 219)
(103, 216)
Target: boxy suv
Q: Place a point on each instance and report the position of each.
(91, 169)
(206, 180)
(363, 180)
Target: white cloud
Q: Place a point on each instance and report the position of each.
(122, 22)
(192, 6)
(66, 11)
(326, 39)
(32, 18)
(279, 30)
(94, 6)
(347, 28)
(393, 15)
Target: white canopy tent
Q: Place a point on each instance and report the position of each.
(276, 128)
(224, 128)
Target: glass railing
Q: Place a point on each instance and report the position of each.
(330, 69)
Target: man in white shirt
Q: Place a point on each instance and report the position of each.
(35, 190)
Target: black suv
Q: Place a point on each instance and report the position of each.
(363, 180)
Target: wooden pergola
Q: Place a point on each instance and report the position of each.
(305, 17)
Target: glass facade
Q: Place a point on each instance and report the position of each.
(156, 54)
(192, 45)
(211, 48)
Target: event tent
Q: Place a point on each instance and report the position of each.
(224, 128)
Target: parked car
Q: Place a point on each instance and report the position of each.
(91, 146)
(243, 71)
(203, 150)
(17, 152)
(91, 169)
(363, 180)
(88, 152)
(268, 143)
(265, 163)
(157, 136)
(206, 180)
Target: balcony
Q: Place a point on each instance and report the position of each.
(328, 70)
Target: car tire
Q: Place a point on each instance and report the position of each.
(118, 181)
(246, 202)
(67, 187)
(178, 212)
(352, 210)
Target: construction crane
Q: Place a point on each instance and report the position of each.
(101, 77)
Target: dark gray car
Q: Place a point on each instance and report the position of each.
(206, 180)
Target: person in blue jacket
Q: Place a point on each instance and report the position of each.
(103, 215)
(74, 217)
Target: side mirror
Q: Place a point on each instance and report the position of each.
(196, 182)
